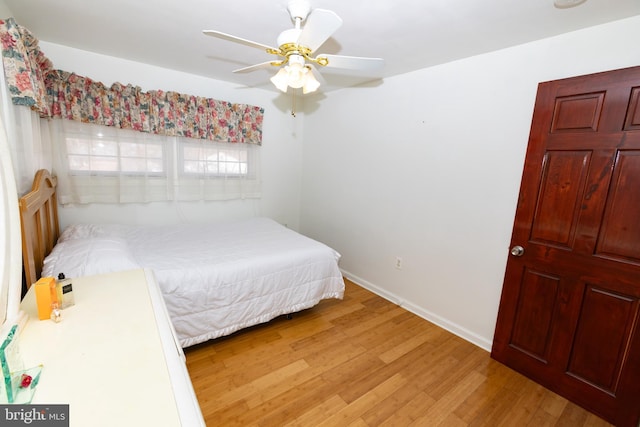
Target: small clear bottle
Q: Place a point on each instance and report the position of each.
(64, 289)
(56, 313)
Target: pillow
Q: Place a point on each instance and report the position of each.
(86, 257)
(81, 231)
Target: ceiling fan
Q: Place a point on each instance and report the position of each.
(296, 47)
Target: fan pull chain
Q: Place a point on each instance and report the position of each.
(293, 102)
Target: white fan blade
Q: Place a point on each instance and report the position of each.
(318, 27)
(254, 67)
(229, 37)
(353, 62)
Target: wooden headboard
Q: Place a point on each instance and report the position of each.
(39, 223)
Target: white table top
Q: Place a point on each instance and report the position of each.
(105, 358)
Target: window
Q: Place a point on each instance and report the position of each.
(94, 150)
(108, 154)
(111, 165)
(214, 159)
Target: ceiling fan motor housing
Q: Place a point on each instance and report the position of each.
(289, 36)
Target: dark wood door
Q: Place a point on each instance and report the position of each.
(569, 314)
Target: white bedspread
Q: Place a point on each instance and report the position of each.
(215, 278)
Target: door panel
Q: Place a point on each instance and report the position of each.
(621, 225)
(633, 113)
(569, 312)
(533, 321)
(577, 113)
(599, 341)
(562, 188)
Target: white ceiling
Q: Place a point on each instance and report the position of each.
(408, 34)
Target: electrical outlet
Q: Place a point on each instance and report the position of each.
(399, 263)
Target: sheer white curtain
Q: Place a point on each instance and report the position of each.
(103, 164)
(29, 144)
(10, 255)
(86, 160)
(22, 153)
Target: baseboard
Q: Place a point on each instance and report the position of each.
(454, 328)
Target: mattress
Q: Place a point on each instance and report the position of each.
(215, 278)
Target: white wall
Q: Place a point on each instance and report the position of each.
(427, 167)
(5, 12)
(281, 150)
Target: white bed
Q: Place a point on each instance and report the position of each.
(215, 278)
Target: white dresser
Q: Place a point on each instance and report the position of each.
(114, 357)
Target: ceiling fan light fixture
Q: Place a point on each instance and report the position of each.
(296, 75)
(281, 79)
(310, 84)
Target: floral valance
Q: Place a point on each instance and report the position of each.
(24, 66)
(79, 98)
(33, 81)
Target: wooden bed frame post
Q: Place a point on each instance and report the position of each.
(39, 224)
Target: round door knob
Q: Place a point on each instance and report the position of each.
(517, 251)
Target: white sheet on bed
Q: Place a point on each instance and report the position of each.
(215, 278)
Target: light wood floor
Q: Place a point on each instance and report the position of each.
(364, 361)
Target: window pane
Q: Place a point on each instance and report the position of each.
(156, 165)
(96, 154)
(77, 146)
(104, 148)
(79, 163)
(133, 165)
(214, 159)
(190, 166)
(191, 153)
(155, 151)
(104, 164)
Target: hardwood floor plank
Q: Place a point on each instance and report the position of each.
(452, 420)
(303, 390)
(406, 345)
(461, 369)
(553, 404)
(329, 406)
(358, 407)
(366, 321)
(388, 408)
(364, 361)
(351, 370)
(448, 403)
(246, 390)
(289, 405)
(528, 400)
(488, 403)
(410, 412)
(571, 417)
(492, 411)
